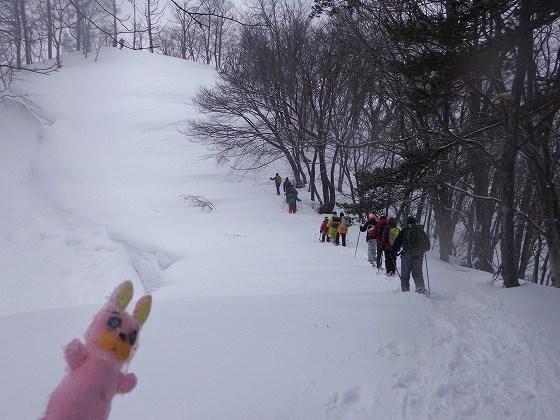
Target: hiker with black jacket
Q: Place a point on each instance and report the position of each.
(390, 234)
(287, 185)
(414, 242)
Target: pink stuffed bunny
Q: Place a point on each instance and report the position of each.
(95, 368)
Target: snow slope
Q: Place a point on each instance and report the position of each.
(253, 318)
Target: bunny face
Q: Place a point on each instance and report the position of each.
(113, 334)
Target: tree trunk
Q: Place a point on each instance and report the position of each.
(509, 156)
(17, 32)
(134, 25)
(49, 30)
(445, 227)
(525, 233)
(25, 30)
(328, 187)
(115, 34)
(149, 23)
(79, 27)
(184, 33)
(420, 208)
(537, 261)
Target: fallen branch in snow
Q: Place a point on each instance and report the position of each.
(234, 235)
(198, 201)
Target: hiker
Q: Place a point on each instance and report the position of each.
(292, 199)
(287, 185)
(323, 229)
(334, 221)
(121, 43)
(414, 242)
(369, 227)
(378, 235)
(342, 229)
(390, 234)
(277, 181)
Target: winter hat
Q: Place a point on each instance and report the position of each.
(341, 214)
(411, 220)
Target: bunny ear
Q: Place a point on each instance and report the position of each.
(123, 295)
(142, 309)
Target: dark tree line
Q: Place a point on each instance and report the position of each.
(444, 109)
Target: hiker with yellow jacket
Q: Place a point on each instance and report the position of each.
(342, 229)
(334, 221)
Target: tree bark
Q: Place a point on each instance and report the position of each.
(513, 132)
(115, 34)
(49, 30)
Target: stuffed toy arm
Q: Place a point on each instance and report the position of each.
(126, 383)
(75, 354)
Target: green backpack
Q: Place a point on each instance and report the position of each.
(393, 233)
(417, 241)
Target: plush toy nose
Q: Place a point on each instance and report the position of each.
(123, 337)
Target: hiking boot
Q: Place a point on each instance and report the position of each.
(406, 290)
(421, 290)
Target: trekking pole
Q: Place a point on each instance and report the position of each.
(427, 274)
(357, 242)
(397, 270)
(399, 274)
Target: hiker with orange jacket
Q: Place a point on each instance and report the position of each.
(342, 229)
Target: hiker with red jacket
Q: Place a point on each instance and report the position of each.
(378, 231)
(414, 242)
(323, 229)
(369, 227)
(390, 233)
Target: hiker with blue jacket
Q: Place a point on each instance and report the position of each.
(414, 243)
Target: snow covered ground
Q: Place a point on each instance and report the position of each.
(253, 318)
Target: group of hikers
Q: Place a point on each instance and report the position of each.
(383, 238)
(335, 228)
(289, 191)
